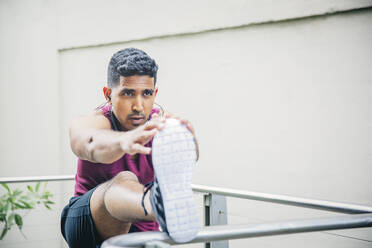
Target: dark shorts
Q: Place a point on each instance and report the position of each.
(77, 225)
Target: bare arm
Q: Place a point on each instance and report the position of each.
(92, 139)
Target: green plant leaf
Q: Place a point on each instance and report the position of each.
(24, 198)
(20, 206)
(5, 230)
(26, 204)
(17, 199)
(10, 219)
(6, 207)
(30, 188)
(18, 220)
(46, 195)
(37, 187)
(16, 192)
(6, 187)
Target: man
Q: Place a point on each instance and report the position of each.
(115, 188)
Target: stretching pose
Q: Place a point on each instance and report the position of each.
(127, 180)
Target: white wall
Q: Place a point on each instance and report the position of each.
(279, 107)
(30, 126)
(92, 22)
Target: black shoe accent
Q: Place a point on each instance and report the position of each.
(147, 187)
(156, 201)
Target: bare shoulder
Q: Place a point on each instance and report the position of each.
(95, 120)
(83, 129)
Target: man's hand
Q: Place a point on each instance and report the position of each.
(92, 138)
(188, 126)
(134, 141)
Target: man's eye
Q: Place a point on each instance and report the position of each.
(148, 93)
(127, 93)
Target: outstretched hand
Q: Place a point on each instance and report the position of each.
(135, 140)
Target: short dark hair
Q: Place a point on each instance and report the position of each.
(129, 62)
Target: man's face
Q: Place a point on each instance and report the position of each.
(132, 100)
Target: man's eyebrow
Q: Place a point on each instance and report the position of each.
(127, 90)
(149, 89)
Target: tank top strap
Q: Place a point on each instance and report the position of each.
(106, 110)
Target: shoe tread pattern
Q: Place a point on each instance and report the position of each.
(174, 158)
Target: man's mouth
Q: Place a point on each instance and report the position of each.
(137, 120)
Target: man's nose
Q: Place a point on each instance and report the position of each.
(138, 105)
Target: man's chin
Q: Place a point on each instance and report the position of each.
(133, 124)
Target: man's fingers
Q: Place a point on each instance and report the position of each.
(168, 114)
(138, 148)
(157, 123)
(188, 125)
(183, 121)
(146, 136)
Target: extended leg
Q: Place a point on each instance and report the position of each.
(117, 203)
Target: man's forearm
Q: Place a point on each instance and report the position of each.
(99, 146)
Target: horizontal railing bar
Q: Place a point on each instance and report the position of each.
(36, 179)
(286, 200)
(280, 199)
(227, 232)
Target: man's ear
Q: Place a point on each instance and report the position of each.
(155, 91)
(107, 93)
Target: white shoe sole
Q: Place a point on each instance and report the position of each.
(174, 158)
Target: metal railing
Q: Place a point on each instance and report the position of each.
(36, 179)
(286, 200)
(216, 233)
(280, 199)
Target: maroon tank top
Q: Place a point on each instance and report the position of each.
(90, 174)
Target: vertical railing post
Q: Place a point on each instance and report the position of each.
(215, 211)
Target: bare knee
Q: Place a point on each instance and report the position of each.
(124, 176)
(121, 191)
(107, 225)
(119, 184)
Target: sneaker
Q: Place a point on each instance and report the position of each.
(171, 197)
